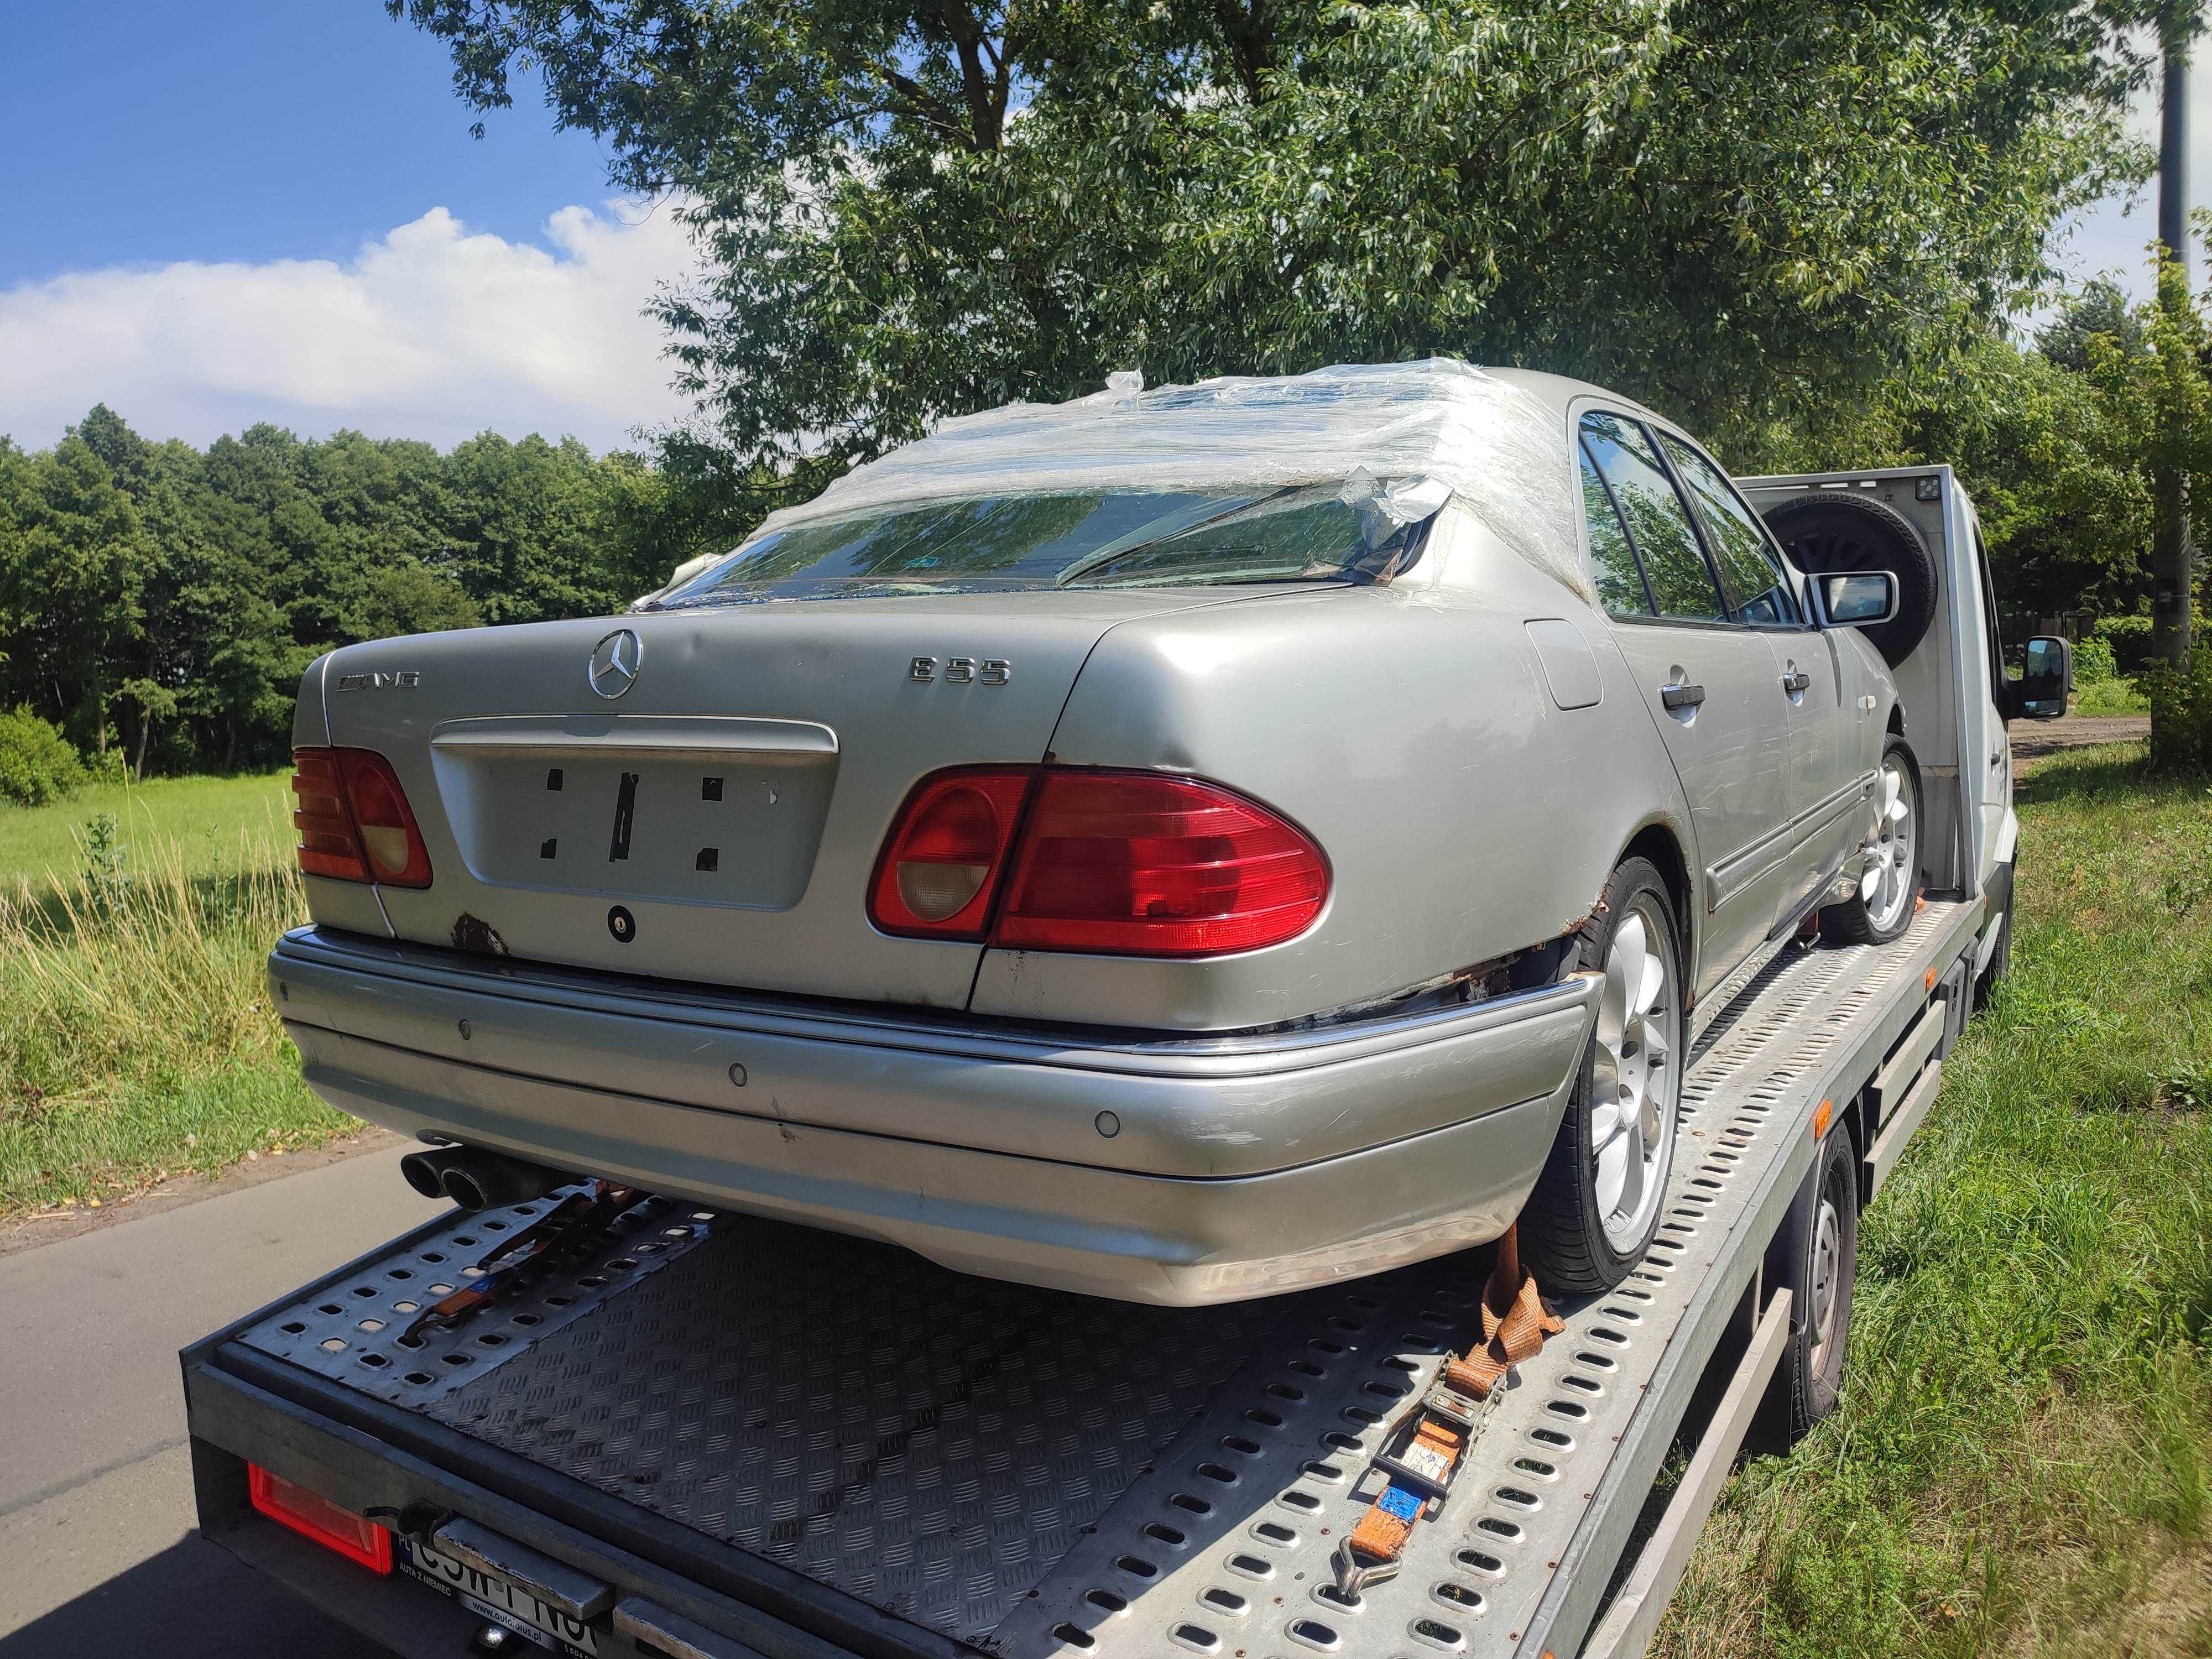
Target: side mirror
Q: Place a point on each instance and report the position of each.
(2039, 694)
(1857, 598)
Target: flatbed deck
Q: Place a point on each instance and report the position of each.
(797, 1444)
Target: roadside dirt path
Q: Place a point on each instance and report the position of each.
(2033, 740)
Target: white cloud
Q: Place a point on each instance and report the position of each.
(430, 332)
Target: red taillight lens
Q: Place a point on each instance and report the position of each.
(1137, 864)
(313, 1516)
(939, 871)
(353, 821)
(328, 845)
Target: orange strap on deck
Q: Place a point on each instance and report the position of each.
(1515, 1321)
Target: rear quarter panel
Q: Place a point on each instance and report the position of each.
(1411, 731)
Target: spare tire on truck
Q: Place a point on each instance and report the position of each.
(1833, 530)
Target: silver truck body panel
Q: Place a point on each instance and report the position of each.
(1966, 758)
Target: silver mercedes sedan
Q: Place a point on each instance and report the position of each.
(1177, 845)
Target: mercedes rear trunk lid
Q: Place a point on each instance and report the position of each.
(718, 819)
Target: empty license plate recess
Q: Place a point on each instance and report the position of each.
(709, 809)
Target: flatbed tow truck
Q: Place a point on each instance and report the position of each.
(707, 1436)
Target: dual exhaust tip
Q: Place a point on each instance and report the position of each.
(478, 1180)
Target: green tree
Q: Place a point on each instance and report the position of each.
(172, 596)
(73, 562)
(919, 207)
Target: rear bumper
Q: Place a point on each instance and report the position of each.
(1237, 1167)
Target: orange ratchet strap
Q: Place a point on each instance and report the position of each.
(1426, 1450)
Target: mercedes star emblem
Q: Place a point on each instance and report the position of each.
(615, 662)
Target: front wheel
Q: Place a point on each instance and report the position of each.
(1889, 858)
(1597, 1202)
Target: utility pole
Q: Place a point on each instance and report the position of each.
(2173, 559)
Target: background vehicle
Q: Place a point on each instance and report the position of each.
(707, 1434)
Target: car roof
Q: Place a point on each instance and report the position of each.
(1559, 392)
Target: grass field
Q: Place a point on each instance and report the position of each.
(216, 825)
(2112, 697)
(2022, 1463)
(136, 1040)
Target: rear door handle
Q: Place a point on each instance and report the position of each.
(1796, 682)
(1672, 698)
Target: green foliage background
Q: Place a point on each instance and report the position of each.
(161, 601)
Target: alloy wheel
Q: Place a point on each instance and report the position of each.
(1886, 882)
(1635, 1074)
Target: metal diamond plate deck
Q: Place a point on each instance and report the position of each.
(925, 1441)
(353, 1330)
(1048, 1476)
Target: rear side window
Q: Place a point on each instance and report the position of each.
(1756, 589)
(1658, 524)
(1620, 583)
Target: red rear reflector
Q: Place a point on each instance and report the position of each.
(1141, 864)
(353, 821)
(940, 867)
(313, 1516)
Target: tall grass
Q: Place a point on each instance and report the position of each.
(2023, 1460)
(137, 1039)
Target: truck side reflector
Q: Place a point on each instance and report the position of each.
(1821, 1115)
(313, 1516)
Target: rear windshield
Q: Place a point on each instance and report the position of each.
(1104, 539)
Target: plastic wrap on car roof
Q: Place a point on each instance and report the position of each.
(1501, 452)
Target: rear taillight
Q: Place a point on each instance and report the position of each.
(328, 844)
(939, 871)
(313, 1516)
(1137, 864)
(353, 821)
(1115, 863)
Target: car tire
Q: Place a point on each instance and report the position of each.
(1889, 878)
(1830, 531)
(1598, 1200)
(1814, 1256)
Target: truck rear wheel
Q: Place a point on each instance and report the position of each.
(1814, 1256)
(1598, 1201)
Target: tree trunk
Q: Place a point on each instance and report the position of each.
(2172, 558)
(145, 731)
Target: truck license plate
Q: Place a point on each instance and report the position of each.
(498, 1599)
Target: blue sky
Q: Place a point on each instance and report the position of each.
(150, 130)
(240, 210)
(273, 210)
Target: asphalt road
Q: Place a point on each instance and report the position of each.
(96, 1528)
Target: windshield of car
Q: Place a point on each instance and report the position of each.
(1105, 539)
